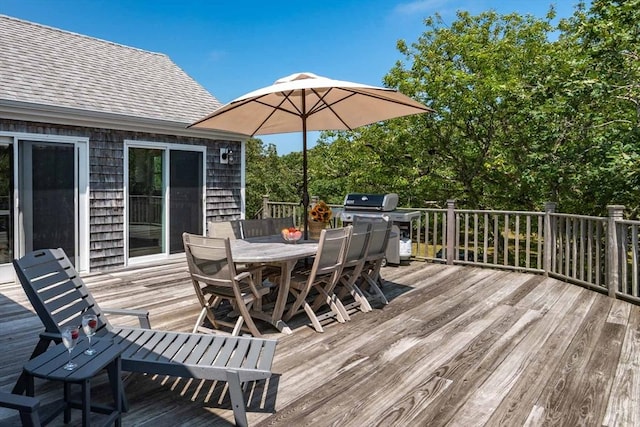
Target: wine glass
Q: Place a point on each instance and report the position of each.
(70, 338)
(89, 325)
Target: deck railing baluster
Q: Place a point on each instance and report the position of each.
(597, 252)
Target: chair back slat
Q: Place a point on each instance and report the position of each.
(52, 292)
(228, 229)
(55, 290)
(277, 224)
(209, 260)
(331, 251)
(380, 231)
(358, 244)
(47, 273)
(255, 228)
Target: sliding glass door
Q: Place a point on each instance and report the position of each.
(185, 195)
(48, 193)
(146, 201)
(6, 204)
(165, 198)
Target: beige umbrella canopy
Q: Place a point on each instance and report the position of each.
(306, 102)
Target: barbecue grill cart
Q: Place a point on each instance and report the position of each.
(377, 206)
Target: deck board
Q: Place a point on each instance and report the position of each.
(458, 346)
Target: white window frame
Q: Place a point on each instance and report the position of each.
(166, 147)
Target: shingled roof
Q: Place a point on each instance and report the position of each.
(52, 67)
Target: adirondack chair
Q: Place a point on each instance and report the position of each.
(60, 298)
(25, 405)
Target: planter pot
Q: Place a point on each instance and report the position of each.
(315, 228)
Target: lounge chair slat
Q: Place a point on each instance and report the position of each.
(213, 351)
(175, 345)
(239, 354)
(226, 351)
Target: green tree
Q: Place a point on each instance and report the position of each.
(271, 175)
(609, 36)
(484, 75)
(526, 112)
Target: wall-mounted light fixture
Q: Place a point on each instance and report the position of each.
(226, 156)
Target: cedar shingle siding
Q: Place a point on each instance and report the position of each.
(109, 93)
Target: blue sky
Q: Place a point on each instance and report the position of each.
(234, 47)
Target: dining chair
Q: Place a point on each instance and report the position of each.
(230, 229)
(380, 231)
(352, 267)
(322, 278)
(254, 228)
(215, 278)
(277, 224)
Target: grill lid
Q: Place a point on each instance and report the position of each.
(375, 202)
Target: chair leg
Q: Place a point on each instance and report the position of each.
(358, 296)
(376, 290)
(300, 302)
(312, 316)
(297, 304)
(237, 399)
(245, 313)
(333, 302)
(201, 316)
(237, 328)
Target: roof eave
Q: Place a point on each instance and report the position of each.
(34, 112)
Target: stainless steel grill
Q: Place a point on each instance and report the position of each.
(377, 206)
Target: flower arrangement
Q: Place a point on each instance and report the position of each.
(321, 212)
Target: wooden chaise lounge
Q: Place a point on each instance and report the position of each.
(60, 298)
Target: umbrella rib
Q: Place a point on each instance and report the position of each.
(274, 109)
(395, 101)
(321, 105)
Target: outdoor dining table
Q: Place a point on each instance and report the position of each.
(273, 250)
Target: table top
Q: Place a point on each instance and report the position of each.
(49, 364)
(268, 249)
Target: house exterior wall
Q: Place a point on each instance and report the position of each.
(106, 182)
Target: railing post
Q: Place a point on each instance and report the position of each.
(265, 207)
(451, 230)
(549, 237)
(613, 267)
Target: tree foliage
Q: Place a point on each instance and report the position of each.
(527, 111)
(270, 175)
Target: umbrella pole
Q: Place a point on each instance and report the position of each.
(305, 192)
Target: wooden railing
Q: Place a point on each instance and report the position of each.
(145, 209)
(600, 253)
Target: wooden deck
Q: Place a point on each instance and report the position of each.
(457, 346)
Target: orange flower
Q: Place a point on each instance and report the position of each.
(321, 212)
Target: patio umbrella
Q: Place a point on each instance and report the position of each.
(305, 102)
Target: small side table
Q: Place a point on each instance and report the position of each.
(49, 365)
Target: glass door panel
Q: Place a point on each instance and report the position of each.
(6, 203)
(185, 196)
(48, 195)
(146, 201)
